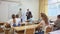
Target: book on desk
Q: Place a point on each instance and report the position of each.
(55, 32)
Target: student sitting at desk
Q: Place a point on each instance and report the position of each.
(57, 23)
(14, 21)
(44, 24)
(18, 20)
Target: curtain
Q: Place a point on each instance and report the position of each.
(43, 6)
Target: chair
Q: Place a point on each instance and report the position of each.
(30, 31)
(7, 28)
(48, 29)
(1, 28)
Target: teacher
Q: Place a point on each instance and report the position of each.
(28, 14)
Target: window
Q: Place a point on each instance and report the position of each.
(52, 1)
(53, 7)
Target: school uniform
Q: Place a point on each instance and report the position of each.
(14, 24)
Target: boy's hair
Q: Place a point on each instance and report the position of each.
(58, 16)
(13, 16)
(17, 16)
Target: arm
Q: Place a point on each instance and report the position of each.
(55, 23)
(39, 27)
(27, 14)
(41, 23)
(30, 14)
(48, 29)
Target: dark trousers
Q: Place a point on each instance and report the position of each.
(28, 17)
(42, 32)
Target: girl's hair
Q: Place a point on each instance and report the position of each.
(44, 17)
(13, 17)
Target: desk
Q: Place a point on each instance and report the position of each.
(1, 23)
(1, 29)
(24, 27)
(21, 28)
(55, 32)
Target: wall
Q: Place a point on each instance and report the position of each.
(33, 5)
(3, 11)
(9, 8)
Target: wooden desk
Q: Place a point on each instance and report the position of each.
(23, 28)
(1, 23)
(19, 28)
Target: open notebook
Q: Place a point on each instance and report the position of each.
(55, 32)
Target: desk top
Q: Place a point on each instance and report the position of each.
(1, 23)
(25, 27)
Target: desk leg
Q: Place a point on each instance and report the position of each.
(6, 31)
(20, 32)
(12, 31)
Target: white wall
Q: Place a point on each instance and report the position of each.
(3, 11)
(10, 8)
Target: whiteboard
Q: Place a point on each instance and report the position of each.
(13, 8)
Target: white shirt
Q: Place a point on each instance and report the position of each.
(18, 20)
(11, 21)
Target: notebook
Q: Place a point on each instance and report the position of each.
(55, 32)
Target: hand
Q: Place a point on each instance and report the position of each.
(48, 29)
